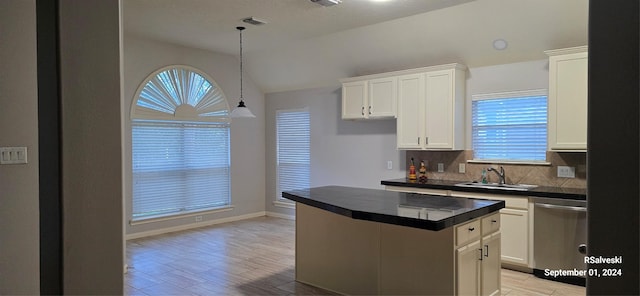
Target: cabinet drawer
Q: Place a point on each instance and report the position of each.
(491, 223)
(468, 232)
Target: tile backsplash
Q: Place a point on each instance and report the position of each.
(542, 175)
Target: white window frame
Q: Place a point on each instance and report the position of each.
(508, 95)
(279, 200)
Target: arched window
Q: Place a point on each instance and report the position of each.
(180, 144)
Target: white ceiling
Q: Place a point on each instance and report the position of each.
(305, 45)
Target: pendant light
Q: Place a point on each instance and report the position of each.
(241, 110)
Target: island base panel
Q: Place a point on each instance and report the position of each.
(350, 256)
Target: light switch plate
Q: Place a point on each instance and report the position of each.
(440, 167)
(13, 155)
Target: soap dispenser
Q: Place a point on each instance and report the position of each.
(484, 176)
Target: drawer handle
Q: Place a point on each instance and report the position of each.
(494, 221)
(471, 228)
(363, 110)
(369, 110)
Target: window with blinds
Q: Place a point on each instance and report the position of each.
(179, 167)
(293, 150)
(180, 145)
(510, 126)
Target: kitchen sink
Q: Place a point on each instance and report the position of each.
(516, 187)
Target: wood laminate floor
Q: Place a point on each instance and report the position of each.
(251, 257)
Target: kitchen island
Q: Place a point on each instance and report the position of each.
(367, 241)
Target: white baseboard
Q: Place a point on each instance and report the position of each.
(282, 216)
(194, 225)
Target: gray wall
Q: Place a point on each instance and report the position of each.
(92, 183)
(349, 153)
(141, 58)
(19, 233)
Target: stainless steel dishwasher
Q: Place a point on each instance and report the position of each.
(560, 237)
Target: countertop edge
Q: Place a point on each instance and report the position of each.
(399, 220)
(453, 187)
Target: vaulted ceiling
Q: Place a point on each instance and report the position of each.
(305, 45)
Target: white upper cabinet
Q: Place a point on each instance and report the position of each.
(410, 105)
(382, 97)
(431, 109)
(369, 99)
(354, 99)
(444, 109)
(568, 74)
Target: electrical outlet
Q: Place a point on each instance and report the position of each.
(440, 167)
(389, 165)
(462, 168)
(566, 172)
(198, 218)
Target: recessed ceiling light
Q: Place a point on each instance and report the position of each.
(500, 44)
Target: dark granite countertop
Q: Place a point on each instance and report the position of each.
(406, 209)
(540, 191)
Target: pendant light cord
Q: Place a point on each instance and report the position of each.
(241, 28)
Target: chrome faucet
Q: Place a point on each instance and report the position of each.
(501, 175)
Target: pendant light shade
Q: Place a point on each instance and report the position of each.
(241, 110)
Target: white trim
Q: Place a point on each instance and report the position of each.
(420, 70)
(193, 225)
(284, 204)
(510, 94)
(570, 50)
(173, 216)
(281, 216)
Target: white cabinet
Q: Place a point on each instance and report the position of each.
(514, 226)
(515, 239)
(468, 267)
(490, 267)
(382, 97)
(410, 116)
(369, 99)
(444, 109)
(354, 97)
(431, 109)
(478, 256)
(567, 108)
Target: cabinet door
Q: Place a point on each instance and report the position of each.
(515, 236)
(491, 265)
(354, 95)
(382, 97)
(568, 102)
(439, 109)
(468, 269)
(410, 102)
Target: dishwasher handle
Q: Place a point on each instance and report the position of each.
(558, 207)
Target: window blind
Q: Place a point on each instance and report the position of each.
(179, 167)
(293, 149)
(510, 128)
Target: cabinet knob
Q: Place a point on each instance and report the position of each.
(582, 248)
